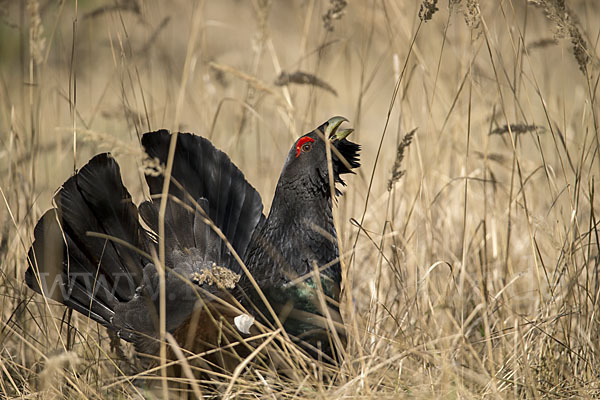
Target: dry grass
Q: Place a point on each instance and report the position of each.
(477, 275)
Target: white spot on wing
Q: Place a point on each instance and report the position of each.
(243, 322)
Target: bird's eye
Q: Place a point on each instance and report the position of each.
(303, 145)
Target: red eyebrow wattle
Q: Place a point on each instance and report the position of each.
(301, 141)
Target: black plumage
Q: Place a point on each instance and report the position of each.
(96, 251)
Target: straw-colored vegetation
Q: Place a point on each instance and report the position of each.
(471, 248)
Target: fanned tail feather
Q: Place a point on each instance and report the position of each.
(92, 254)
(203, 177)
(69, 264)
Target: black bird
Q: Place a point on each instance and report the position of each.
(97, 253)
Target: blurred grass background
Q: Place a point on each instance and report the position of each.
(473, 274)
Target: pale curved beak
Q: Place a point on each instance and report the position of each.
(342, 134)
(331, 131)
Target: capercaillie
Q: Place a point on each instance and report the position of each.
(98, 253)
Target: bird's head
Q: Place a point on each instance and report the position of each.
(307, 160)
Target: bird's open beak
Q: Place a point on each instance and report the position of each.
(332, 132)
(345, 154)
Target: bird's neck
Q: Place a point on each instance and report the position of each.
(298, 236)
(298, 233)
(302, 212)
